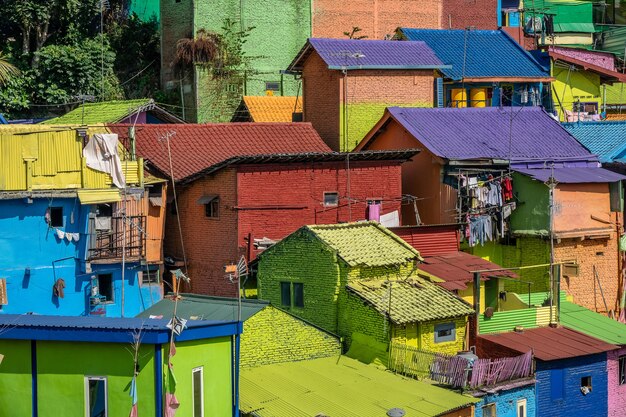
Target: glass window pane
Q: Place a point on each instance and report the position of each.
(197, 393)
(97, 398)
(285, 294)
(298, 294)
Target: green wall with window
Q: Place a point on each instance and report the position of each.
(15, 378)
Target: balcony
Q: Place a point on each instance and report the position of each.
(113, 237)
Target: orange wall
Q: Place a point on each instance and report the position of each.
(576, 203)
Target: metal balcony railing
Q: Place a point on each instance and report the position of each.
(123, 235)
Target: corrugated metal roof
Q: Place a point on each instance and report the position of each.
(412, 299)
(99, 196)
(430, 240)
(205, 308)
(591, 323)
(478, 53)
(368, 54)
(605, 139)
(80, 322)
(340, 387)
(616, 93)
(365, 243)
(272, 108)
(509, 133)
(457, 268)
(549, 343)
(572, 175)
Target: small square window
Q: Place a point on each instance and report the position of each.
(149, 276)
(105, 287)
(272, 86)
(445, 332)
(285, 294)
(298, 294)
(489, 410)
(212, 208)
(585, 384)
(331, 199)
(622, 370)
(56, 216)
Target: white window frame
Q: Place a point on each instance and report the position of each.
(525, 404)
(106, 393)
(193, 389)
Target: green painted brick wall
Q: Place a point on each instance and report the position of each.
(532, 214)
(427, 336)
(15, 378)
(357, 317)
(274, 336)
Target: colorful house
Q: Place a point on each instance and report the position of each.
(347, 84)
(282, 357)
(571, 368)
(484, 68)
(361, 284)
(92, 364)
(269, 109)
(236, 194)
(278, 32)
(512, 399)
(467, 147)
(119, 111)
(610, 331)
(74, 243)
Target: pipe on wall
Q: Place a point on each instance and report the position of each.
(158, 380)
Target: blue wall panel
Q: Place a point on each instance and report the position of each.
(506, 402)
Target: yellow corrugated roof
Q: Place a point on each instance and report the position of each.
(272, 108)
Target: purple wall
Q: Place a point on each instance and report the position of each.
(617, 392)
(600, 59)
(131, 119)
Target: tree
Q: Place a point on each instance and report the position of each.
(205, 49)
(7, 70)
(353, 33)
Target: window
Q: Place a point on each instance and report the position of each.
(489, 410)
(272, 86)
(56, 216)
(96, 396)
(285, 294)
(591, 108)
(198, 394)
(585, 384)
(521, 407)
(211, 205)
(104, 212)
(445, 332)
(298, 294)
(331, 199)
(149, 276)
(622, 370)
(105, 287)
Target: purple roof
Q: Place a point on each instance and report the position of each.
(572, 175)
(368, 54)
(508, 133)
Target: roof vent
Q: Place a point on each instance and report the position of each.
(396, 412)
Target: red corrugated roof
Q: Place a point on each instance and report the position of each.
(550, 343)
(457, 269)
(430, 239)
(196, 147)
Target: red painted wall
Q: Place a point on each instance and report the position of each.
(460, 14)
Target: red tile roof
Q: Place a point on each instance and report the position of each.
(197, 147)
(550, 343)
(457, 269)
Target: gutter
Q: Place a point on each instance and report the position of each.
(389, 67)
(158, 380)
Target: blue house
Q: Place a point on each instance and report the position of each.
(571, 368)
(488, 68)
(73, 243)
(514, 399)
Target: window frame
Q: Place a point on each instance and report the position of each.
(621, 370)
(493, 410)
(87, 379)
(295, 297)
(335, 204)
(282, 293)
(447, 326)
(522, 402)
(276, 90)
(199, 369)
(61, 217)
(107, 300)
(586, 378)
(146, 274)
(212, 209)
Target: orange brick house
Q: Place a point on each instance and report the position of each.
(243, 186)
(347, 84)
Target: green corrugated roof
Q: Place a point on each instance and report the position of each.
(205, 308)
(593, 324)
(412, 300)
(103, 112)
(616, 93)
(365, 243)
(341, 387)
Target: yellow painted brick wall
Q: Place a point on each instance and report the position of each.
(274, 336)
(427, 336)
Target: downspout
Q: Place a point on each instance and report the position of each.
(158, 380)
(236, 369)
(33, 373)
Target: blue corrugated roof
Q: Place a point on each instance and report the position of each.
(605, 139)
(490, 53)
(507, 133)
(369, 54)
(572, 175)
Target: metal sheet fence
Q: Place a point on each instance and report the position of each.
(457, 371)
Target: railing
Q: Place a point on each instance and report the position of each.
(124, 235)
(457, 371)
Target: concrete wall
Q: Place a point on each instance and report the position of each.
(575, 204)
(507, 401)
(573, 403)
(617, 392)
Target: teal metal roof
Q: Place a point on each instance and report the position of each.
(340, 387)
(605, 139)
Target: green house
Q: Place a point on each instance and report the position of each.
(359, 280)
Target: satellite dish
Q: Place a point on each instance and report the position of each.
(396, 412)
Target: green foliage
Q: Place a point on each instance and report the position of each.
(14, 96)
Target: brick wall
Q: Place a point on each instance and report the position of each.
(355, 316)
(274, 336)
(506, 401)
(617, 392)
(459, 14)
(427, 336)
(376, 18)
(209, 243)
(589, 253)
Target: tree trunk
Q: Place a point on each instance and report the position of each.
(42, 37)
(25, 39)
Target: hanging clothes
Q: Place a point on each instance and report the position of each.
(373, 211)
(58, 289)
(101, 155)
(507, 189)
